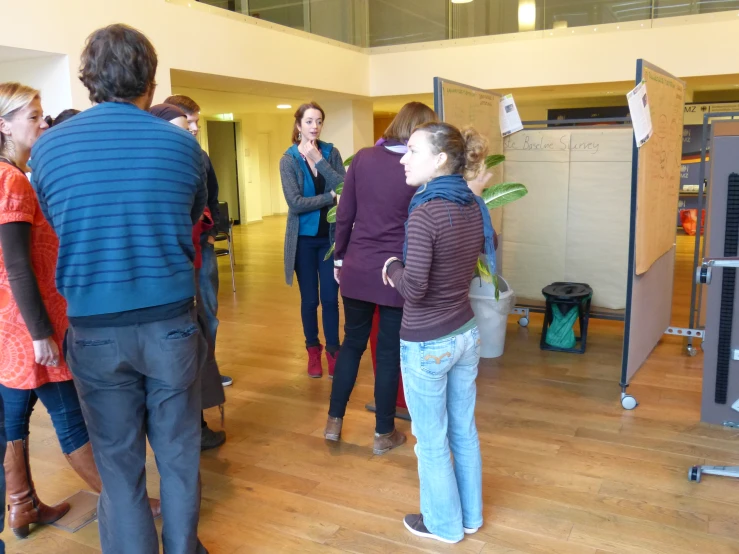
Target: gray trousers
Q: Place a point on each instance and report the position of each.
(137, 382)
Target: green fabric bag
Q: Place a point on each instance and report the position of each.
(561, 332)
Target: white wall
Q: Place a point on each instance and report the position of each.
(193, 36)
(48, 74)
(349, 125)
(190, 36)
(599, 54)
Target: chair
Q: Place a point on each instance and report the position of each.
(225, 233)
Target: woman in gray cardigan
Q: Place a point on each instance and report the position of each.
(310, 171)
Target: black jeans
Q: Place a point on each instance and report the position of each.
(358, 317)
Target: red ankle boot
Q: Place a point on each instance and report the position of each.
(331, 360)
(315, 368)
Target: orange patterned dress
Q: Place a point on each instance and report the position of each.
(18, 368)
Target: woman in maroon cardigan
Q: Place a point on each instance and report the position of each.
(370, 228)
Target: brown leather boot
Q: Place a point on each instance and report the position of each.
(83, 462)
(333, 428)
(385, 443)
(24, 506)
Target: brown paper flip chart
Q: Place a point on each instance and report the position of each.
(659, 169)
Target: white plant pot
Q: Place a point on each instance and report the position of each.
(491, 314)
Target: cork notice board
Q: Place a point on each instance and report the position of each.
(463, 105)
(659, 169)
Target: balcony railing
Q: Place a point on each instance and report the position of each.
(371, 23)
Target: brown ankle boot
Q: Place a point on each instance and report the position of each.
(83, 462)
(24, 506)
(385, 443)
(333, 428)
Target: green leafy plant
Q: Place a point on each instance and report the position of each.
(331, 215)
(497, 196)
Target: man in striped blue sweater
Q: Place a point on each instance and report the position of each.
(122, 190)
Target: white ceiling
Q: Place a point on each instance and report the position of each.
(263, 97)
(8, 54)
(248, 96)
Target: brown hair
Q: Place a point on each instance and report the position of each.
(409, 117)
(185, 103)
(299, 117)
(118, 63)
(14, 97)
(466, 149)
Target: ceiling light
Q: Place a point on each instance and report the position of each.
(461, 1)
(283, 106)
(526, 15)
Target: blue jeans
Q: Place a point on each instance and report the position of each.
(317, 287)
(63, 405)
(439, 383)
(3, 446)
(136, 382)
(209, 288)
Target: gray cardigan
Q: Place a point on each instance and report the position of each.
(292, 186)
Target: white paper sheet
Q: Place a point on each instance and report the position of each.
(641, 118)
(536, 226)
(510, 120)
(574, 223)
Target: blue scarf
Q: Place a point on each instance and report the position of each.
(454, 189)
(309, 221)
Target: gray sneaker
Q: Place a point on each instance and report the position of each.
(414, 524)
(210, 439)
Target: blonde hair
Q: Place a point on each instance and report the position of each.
(466, 149)
(14, 97)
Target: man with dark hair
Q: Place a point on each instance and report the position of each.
(122, 189)
(209, 271)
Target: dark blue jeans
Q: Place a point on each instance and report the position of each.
(317, 286)
(209, 288)
(358, 316)
(2, 473)
(63, 405)
(139, 382)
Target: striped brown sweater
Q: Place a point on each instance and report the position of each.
(444, 242)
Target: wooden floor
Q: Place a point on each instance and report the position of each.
(566, 469)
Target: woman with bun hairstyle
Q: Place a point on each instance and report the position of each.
(448, 228)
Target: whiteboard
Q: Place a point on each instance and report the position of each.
(574, 223)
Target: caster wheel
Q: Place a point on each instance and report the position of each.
(692, 351)
(694, 474)
(523, 322)
(703, 275)
(628, 402)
